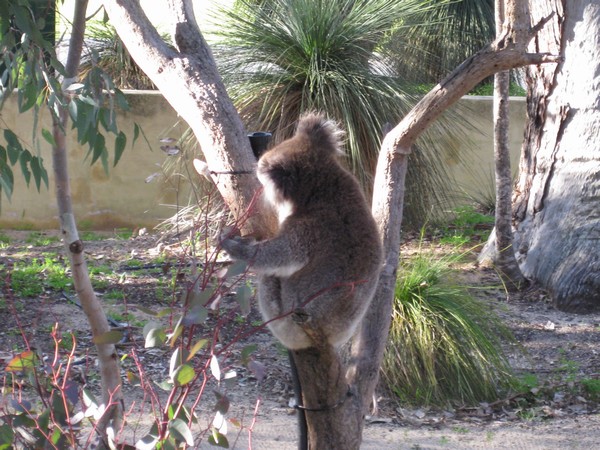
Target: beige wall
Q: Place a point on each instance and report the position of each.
(121, 199)
(474, 172)
(125, 199)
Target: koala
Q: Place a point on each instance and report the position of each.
(323, 263)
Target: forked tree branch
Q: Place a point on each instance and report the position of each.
(507, 52)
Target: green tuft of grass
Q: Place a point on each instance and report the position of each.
(40, 239)
(4, 240)
(90, 236)
(30, 279)
(444, 345)
(123, 233)
(114, 296)
(487, 89)
(466, 225)
(591, 387)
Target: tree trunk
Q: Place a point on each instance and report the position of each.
(107, 356)
(329, 403)
(499, 250)
(556, 204)
(189, 80)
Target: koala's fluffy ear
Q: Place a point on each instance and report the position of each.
(323, 133)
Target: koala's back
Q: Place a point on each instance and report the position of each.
(326, 218)
(335, 287)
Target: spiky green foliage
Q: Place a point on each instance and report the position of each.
(444, 346)
(281, 58)
(442, 37)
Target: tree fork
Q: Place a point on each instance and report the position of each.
(506, 52)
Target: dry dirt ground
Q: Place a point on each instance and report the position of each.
(558, 351)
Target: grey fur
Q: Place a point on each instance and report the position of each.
(323, 264)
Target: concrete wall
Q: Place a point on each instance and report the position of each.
(474, 171)
(125, 199)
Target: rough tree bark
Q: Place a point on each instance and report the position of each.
(500, 251)
(557, 199)
(107, 355)
(341, 385)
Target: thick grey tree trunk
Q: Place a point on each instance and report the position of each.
(557, 199)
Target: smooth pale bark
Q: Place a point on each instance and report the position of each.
(499, 250)
(557, 199)
(107, 356)
(341, 385)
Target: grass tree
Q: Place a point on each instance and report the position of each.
(444, 345)
(436, 40)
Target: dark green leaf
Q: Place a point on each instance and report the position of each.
(120, 142)
(99, 148)
(73, 111)
(218, 440)
(222, 404)
(195, 315)
(48, 137)
(199, 298)
(25, 160)
(7, 434)
(13, 146)
(27, 96)
(243, 296)
(39, 171)
(247, 351)
(121, 100)
(108, 118)
(6, 179)
(136, 133)
(104, 160)
(237, 268)
(178, 357)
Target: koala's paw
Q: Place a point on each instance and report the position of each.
(236, 246)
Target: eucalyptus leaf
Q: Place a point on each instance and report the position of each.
(180, 431)
(120, 142)
(183, 375)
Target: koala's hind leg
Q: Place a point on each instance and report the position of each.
(281, 317)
